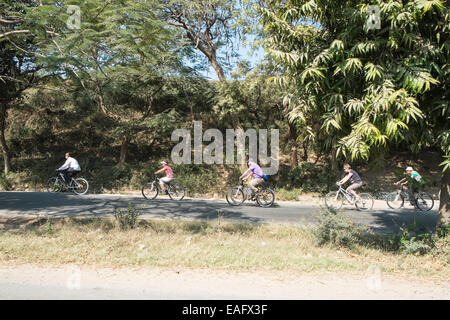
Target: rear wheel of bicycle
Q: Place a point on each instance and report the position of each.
(334, 200)
(365, 202)
(176, 192)
(265, 198)
(150, 190)
(395, 200)
(424, 202)
(235, 196)
(80, 186)
(54, 185)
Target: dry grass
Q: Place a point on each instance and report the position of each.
(196, 244)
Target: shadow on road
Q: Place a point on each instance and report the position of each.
(32, 204)
(62, 205)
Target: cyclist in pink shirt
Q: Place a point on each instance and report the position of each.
(169, 175)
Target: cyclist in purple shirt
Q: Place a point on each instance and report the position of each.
(355, 180)
(256, 172)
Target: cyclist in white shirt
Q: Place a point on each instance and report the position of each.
(70, 168)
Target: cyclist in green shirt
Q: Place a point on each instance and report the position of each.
(414, 181)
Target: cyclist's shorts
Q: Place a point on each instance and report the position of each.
(355, 186)
(166, 179)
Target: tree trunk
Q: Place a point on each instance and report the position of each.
(334, 161)
(5, 149)
(305, 150)
(293, 139)
(235, 121)
(221, 75)
(444, 208)
(123, 150)
(217, 67)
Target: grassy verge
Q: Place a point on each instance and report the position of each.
(213, 245)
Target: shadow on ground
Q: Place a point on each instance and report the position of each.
(15, 206)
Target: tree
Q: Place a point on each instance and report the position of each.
(17, 65)
(118, 40)
(208, 25)
(251, 96)
(374, 88)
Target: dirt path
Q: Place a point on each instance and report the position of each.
(72, 282)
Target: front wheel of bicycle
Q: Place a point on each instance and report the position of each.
(150, 190)
(395, 200)
(176, 192)
(54, 185)
(365, 202)
(235, 196)
(424, 202)
(265, 198)
(334, 200)
(80, 186)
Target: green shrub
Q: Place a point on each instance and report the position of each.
(197, 178)
(413, 246)
(307, 177)
(127, 219)
(288, 195)
(414, 240)
(4, 184)
(338, 230)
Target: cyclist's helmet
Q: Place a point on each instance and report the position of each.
(164, 162)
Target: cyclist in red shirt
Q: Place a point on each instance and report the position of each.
(169, 175)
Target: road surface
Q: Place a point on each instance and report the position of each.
(16, 205)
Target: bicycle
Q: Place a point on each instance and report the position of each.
(335, 199)
(56, 184)
(422, 201)
(237, 195)
(151, 190)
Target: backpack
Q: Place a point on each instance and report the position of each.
(266, 177)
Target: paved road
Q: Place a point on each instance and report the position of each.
(22, 204)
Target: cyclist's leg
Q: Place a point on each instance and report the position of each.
(163, 182)
(72, 174)
(66, 176)
(253, 185)
(351, 189)
(415, 189)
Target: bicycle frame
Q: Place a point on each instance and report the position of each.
(68, 185)
(245, 189)
(158, 183)
(347, 195)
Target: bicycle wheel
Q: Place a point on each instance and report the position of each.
(176, 192)
(235, 196)
(150, 190)
(395, 200)
(80, 186)
(334, 200)
(54, 185)
(365, 202)
(265, 198)
(424, 202)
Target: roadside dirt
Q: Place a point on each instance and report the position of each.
(88, 282)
